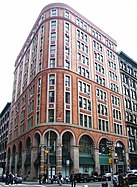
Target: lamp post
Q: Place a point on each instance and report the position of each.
(48, 156)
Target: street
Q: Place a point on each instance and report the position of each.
(34, 184)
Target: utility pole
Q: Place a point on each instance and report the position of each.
(110, 161)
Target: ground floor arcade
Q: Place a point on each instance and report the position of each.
(57, 149)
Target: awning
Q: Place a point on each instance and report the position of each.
(103, 159)
(86, 161)
(52, 159)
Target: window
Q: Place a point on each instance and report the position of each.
(51, 96)
(52, 79)
(67, 64)
(103, 125)
(81, 119)
(66, 37)
(67, 116)
(53, 24)
(52, 63)
(52, 49)
(66, 14)
(53, 36)
(80, 102)
(67, 81)
(67, 50)
(37, 117)
(53, 12)
(67, 97)
(66, 26)
(50, 115)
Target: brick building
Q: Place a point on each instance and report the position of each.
(67, 99)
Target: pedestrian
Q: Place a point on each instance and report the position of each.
(72, 179)
(60, 179)
(120, 181)
(40, 179)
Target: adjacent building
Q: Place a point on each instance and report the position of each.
(128, 69)
(4, 125)
(67, 104)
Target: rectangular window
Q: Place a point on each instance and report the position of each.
(52, 79)
(66, 14)
(53, 24)
(80, 86)
(67, 81)
(85, 120)
(52, 63)
(67, 26)
(53, 36)
(53, 12)
(81, 119)
(67, 116)
(89, 121)
(67, 97)
(67, 64)
(52, 49)
(51, 96)
(80, 102)
(51, 115)
(37, 118)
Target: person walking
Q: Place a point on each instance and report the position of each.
(72, 179)
(60, 179)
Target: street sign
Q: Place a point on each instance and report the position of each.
(109, 143)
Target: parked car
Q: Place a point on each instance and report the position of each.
(17, 179)
(83, 177)
(97, 178)
(130, 178)
(108, 176)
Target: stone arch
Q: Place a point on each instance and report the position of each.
(87, 134)
(72, 133)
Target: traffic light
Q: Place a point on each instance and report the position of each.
(46, 152)
(110, 149)
(110, 160)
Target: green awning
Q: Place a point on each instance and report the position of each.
(86, 161)
(52, 159)
(103, 159)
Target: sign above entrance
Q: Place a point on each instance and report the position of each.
(109, 143)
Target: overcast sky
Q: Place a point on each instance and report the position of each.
(118, 18)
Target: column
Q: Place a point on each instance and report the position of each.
(127, 160)
(97, 165)
(33, 158)
(75, 157)
(59, 157)
(23, 161)
(42, 159)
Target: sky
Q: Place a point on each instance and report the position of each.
(117, 18)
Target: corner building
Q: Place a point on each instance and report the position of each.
(67, 99)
